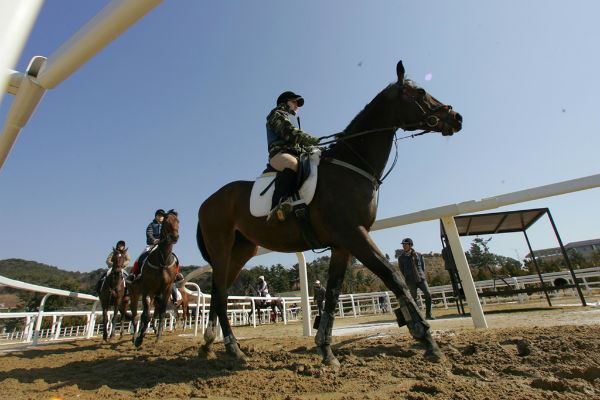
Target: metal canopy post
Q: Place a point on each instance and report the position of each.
(566, 256)
(537, 268)
(465, 273)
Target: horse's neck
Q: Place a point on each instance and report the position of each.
(369, 151)
(165, 249)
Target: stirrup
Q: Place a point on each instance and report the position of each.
(280, 212)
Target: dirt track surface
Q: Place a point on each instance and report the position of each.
(518, 363)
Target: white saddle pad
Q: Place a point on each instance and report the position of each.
(261, 205)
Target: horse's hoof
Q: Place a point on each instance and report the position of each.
(138, 342)
(434, 355)
(234, 351)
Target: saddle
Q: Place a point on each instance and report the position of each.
(264, 186)
(143, 258)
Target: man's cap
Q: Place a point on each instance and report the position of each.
(317, 282)
(160, 211)
(285, 96)
(407, 241)
(261, 278)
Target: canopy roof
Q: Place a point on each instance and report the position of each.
(500, 222)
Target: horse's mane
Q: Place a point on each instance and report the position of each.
(373, 105)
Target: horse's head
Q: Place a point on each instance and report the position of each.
(170, 228)
(118, 259)
(414, 108)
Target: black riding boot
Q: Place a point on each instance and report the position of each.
(99, 283)
(174, 293)
(285, 186)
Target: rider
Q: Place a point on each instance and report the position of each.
(120, 246)
(286, 143)
(262, 287)
(152, 239)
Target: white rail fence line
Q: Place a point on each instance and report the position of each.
(240, 308)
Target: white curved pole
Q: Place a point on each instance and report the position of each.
(38, 322)
(106, 26)
(26, 100)
(16, 20)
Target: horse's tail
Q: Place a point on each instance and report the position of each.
(201, 244)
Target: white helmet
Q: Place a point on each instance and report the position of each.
(261, 278)
(317, 282)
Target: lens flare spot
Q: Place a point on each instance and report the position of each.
(428, 76)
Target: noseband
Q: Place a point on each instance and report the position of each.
(429, 120)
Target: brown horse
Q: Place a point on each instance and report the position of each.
(342, 211)
(157, 276)
(112, 294)
(184, 303)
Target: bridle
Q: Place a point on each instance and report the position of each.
(428, 121)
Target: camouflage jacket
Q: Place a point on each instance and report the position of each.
(284, 136)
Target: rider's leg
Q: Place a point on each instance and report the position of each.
(427, 294)
(174, 293)
(99, 283)
(285, 185)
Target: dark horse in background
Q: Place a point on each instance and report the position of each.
(274, 303)
(342, 211)
(112, 294)
(157, 276)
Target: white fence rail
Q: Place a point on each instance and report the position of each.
(240, 308)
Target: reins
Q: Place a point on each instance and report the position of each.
(340, 137)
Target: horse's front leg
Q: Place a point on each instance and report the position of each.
(161, 308)
(145, 320)
(408, 313)
(115, 316)
(340, 258)
(104, 323)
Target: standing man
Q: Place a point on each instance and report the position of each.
(319, 296)
(412, 266)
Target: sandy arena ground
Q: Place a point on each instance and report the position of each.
(529, 352)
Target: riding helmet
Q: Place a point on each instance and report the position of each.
(160, 212)
(121, 243)
(285, 96)
(407, 241)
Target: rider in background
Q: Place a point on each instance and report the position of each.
(286, 143)
(319, 296)
(120, 246)
(262, 288)
(152, 239)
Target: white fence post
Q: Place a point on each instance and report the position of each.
(465, 273)
(306, 311)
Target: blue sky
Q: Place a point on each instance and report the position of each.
(175, 108)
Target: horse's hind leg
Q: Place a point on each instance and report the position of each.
(408, 313)
(227, 264)
(340, 258)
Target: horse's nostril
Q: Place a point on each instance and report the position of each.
(458, 117)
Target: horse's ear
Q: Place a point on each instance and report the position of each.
(400, 72)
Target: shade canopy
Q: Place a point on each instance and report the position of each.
(501, 222)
